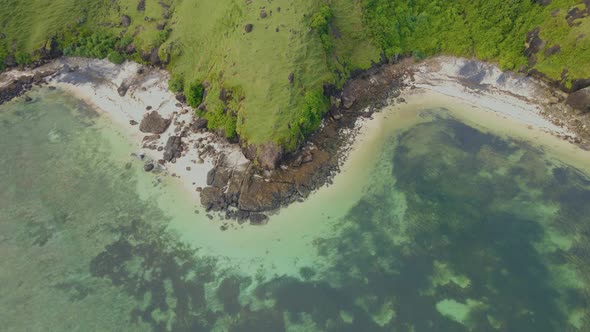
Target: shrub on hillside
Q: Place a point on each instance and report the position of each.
(116, 57)
(320, 22)
(22, 58)
(3, 54)
(91, 45)
(125, 41)
(308, 118)
(161, 38)
(222, 120)
(176, 83)
(194, 95)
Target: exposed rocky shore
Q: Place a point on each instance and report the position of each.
(224, 176)
(258, 190)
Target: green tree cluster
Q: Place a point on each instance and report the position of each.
(116, 57)
(320, 22)
(195, 93)
(92, 45)
(97, 44)
(487, 29)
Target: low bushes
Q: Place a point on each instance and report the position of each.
(97, 44)
(320, 22)
(225, 120)
(91, 45)
(23, 58)
(194, 94)
(176, 83)
(116, 57)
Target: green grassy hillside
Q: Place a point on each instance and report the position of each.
(266, 84)
(272, 78)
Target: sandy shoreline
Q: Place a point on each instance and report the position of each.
(97, 82)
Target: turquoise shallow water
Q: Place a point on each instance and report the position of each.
(444, 228)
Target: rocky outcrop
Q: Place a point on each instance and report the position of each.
(258, 219)
(257, 195)
(18, 86)
(10, 91)
(173, 148)
(269, 155)
(534, 43)
(155, 57)
(574, 14)
(154, 123)
(141, 6)
(50, 50)
(125, 21)
(543, 2)
(580, 100)
(212, 198)
(9, 61)
(198, 124)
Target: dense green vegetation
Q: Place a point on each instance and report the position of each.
(490, 30)
(278, 70)
(320, 22)
(493, 30)
(308, 117)
(176, 83)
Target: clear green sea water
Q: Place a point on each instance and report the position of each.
(436, 226)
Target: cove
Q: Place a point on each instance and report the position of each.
(445, 217)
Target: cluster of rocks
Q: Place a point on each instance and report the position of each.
(245, 192)
(277, 179)
(19, 85)
(155, 125)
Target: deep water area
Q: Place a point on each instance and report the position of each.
(454, 229)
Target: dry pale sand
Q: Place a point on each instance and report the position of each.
(486, 86)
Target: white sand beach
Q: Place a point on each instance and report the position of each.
(97, 81)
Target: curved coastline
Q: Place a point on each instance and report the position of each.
(217, 172)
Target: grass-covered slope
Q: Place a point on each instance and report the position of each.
(265, 85)
(263, 64)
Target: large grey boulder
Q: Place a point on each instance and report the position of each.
(154, 123)
(580, 100)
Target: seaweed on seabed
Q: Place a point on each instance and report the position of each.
(483, 235)
(149, 262)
